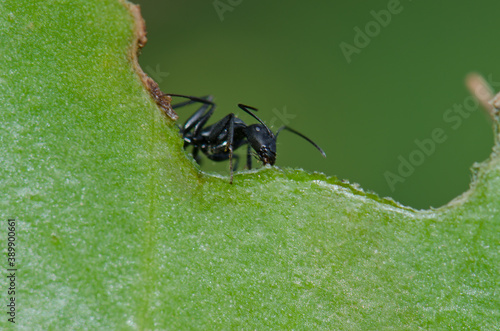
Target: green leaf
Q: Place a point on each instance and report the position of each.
(118, 229)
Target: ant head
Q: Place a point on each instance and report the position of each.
(263, 141)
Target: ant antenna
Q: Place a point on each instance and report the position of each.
(246, 110)
(300, 135)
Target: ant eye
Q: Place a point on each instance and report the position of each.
(257, 129)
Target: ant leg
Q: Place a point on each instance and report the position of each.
(225, 124)
(190, 101)
(230, 146)
(249, 157)
(236, 162)
(222, 133)
(201, 116)
(196, 157)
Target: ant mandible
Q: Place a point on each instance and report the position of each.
(219, 140)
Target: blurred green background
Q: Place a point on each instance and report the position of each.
(286, 60)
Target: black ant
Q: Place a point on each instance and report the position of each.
(219, 140)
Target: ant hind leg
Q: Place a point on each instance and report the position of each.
(205, 99)
(200, 117)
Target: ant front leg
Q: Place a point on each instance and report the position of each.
(249, 157)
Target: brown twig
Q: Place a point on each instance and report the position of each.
(479, 88)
